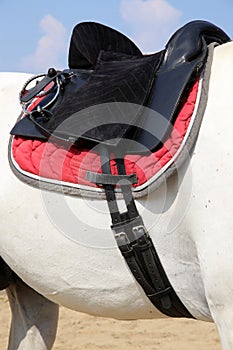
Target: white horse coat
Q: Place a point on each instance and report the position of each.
(189, 219)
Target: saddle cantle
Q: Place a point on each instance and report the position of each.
(113, 93)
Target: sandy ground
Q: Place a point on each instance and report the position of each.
(78, 331)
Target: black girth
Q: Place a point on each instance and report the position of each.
(133, 239)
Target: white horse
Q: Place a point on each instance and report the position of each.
(190, 222)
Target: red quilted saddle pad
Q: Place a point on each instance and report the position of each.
(52, 161)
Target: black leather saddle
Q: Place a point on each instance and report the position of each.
(100, 98)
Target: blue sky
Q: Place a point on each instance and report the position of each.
(34, 35)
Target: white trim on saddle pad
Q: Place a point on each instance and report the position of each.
(183, 152)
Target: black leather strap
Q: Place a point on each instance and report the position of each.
(160, 292)
(136, 245)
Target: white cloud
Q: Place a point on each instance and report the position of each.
(152, 21)
(49, 48)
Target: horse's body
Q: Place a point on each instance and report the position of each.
(189, 219)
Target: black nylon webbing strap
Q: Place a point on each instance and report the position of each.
(108, 179)
(135, 243)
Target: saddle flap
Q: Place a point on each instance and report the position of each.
(91, 112)
(26, 128)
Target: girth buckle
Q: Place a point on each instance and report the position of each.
(129, 231)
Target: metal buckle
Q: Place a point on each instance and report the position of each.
(121, 238)
(129, 231)
(139, 231)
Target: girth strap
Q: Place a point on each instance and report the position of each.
(134, 241)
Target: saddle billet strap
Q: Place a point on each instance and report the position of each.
(135, 243)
